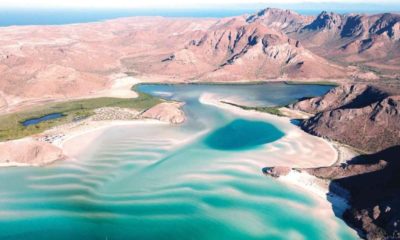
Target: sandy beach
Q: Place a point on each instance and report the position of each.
(67, 141)
(165, 146)
(310, 152)
(328, 204)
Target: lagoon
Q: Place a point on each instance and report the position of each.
(199, 180)
(48, 117)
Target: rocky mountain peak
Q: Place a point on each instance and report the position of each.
(353, 27)
(388, 23)
(326, 21)
(271, 12)
(282, 19)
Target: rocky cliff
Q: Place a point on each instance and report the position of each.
(373, 182)
(362, 116)
(366, 117)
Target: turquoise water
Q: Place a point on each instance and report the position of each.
(34, 121)
(201, 180)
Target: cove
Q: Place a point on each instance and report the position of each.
(34, 121)
(201, 180)
(242, 134)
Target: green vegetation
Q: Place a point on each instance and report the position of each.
(271, 110)
(321, 83)
(11, 127)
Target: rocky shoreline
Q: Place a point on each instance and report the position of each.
(362, 116)
(368, 118)
(366, 187)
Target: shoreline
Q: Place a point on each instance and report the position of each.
(327, 203)
(59, 138)
(49, 146)
(213, 100)
(319, 189)
(61, 135)
(122, 86)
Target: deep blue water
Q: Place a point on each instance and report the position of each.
(34, 121)
(29, 16)
(242, 134)
(9, 17)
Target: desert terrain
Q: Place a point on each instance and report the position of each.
(47, 63)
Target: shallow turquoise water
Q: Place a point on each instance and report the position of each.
(200, 180)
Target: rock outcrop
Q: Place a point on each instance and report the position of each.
(344, 96)
(285, 20)
(28, 151)
(277, 171)
(361, 116)
(325, 22)
(170, 112)
(371, 186)
(373, 182)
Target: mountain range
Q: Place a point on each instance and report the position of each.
(69, 61)
(276, 43)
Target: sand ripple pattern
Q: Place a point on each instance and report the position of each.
(158, 182)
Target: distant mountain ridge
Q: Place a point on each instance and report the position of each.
(275, 43)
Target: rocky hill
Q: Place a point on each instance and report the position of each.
(362, 116)
(276, 43)
(370, 41)
(242, 49)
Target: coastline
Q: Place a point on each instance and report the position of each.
(60, 137)
(295, 132)
(57, 136)
(328, 203)
(74, 138)
(49, 146)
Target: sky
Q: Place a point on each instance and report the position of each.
(169, 3)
